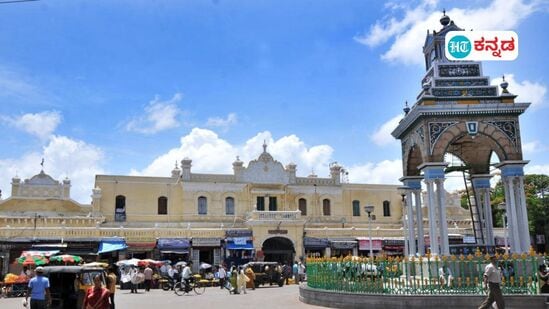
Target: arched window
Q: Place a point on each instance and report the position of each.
(326, 207)
(162, 205)
(202, 205)
(386, 209)
(229, 206)
(120, 208)
(356, 208)
(302, 204)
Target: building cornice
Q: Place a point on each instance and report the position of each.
(420, 111)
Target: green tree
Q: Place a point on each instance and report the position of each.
(536, 188)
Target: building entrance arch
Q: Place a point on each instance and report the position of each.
(278, 249)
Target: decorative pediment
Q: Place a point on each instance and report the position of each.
(42, 179)
(265, 170)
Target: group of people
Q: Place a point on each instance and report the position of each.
(96, 297)
(236, 279)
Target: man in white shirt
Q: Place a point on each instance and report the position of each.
(187, 275)
(301, 272)
(446, 277)
(492, 280)
(222, 273)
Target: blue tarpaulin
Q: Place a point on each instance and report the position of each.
(110, 245)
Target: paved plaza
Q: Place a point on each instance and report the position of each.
(261, 298)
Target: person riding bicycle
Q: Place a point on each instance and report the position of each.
(187, 275)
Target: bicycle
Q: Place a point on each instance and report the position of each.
(194, 285)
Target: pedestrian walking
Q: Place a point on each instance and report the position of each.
(492, 281)
(301, 272)
(233, 275)
(148, 278)
(295, 272)
(111, 285)
(39, 290)
(222, 274)
(251, 275)
(97, 297)
(241, 281)
(286, 272)
(134, 280)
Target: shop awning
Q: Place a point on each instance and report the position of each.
(364, 244)
(236, 244)
(315, 243)
(110, 245)
(173, 245)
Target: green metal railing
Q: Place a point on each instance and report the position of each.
(422, 275)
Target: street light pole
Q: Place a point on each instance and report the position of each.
(369, 209)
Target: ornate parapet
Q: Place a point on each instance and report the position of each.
(294, 215)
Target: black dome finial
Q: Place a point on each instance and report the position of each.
(444, 20)
(406, 109)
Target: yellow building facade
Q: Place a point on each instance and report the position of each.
(260, 211)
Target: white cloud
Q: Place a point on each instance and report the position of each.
(41, 124)
(533, 147)
(159, 116)
(231, 119)
(382, 136)
(527, 91)
(408, 32)
(16, 86)
(384, 172)
(64, 157)
(211, 154)
(541, 169)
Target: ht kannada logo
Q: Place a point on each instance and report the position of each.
(459, 47)
(481, 45)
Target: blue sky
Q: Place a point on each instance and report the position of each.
(129, 87)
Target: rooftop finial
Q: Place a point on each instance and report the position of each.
(406, 109)
(444, 20)
(42, 163)
(504, 85)
(264, 146)
(176, 164)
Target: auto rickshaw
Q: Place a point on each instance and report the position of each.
(266, 273)
(68, 284)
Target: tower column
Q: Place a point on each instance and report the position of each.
(512, 173)
(441, 207)
(433, 235)
(433, 173)
(411, 230)
(419, 220)
(412, 187)
(481, 185)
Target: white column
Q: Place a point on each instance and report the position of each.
(419, 222)
(512, 215)
(411, 232)
(433, 236)
(523, 218)
(489, 219)
(445, 247)
(479, 202)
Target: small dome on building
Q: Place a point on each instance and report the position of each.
(444, 20)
